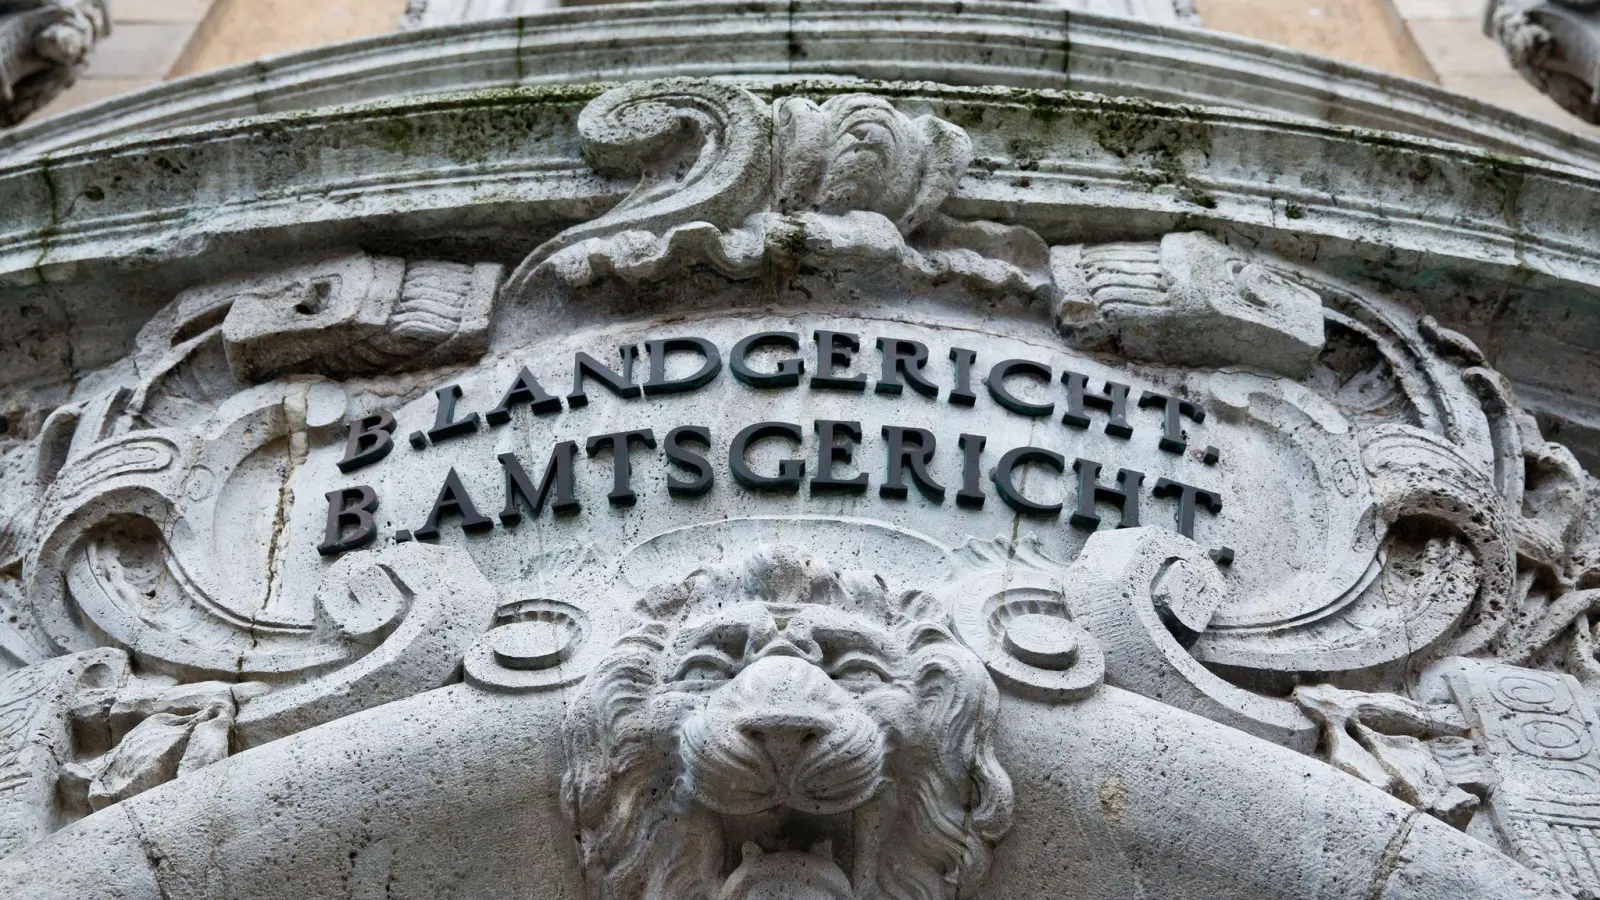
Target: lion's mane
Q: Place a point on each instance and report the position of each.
(641, 837)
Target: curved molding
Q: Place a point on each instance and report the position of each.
(348, 839)
(959, 43)
(1295, 187)
(1416, 216)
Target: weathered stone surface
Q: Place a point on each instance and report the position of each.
(953, 42)
(1556, 47)
(44, 46)
(431, 13)
(854, 490)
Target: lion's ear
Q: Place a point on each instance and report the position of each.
(664, 602)
(921, 606)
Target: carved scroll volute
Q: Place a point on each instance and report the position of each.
(129, 553)
(702, 151)
(1430, 495)
(1440, 554)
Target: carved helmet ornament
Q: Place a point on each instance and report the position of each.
(778, 728)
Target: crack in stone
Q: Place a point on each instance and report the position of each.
(152, 855)
(1391, 856)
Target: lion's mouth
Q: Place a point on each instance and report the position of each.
(790, 854)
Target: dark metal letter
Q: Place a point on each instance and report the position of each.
(789, 370)
(997, 387)
(833, 353)
(371, 439)
(1091, 492)
(453, 500)
(903, 357)
(584, 365)
(971, 494)
(689, 459)
(1114, 402)
(658, 351)
(912, 447)
(1016, 458)
(1189, 497)
(829, 451)
(557, 473)
(346, 507)
(621, 466)
(1172, 436)
(445, 423)
(526, 389)
(961, 394)
(790, 471)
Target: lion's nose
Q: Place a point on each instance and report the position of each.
(787, 740)
(784, 705)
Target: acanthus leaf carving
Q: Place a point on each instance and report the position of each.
(731, 183)
(728, 183)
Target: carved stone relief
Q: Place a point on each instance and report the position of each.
(44, 46)
(344, 316)
(839, 737)
(36, 738)
(1188, 300)
(1236, 486)
(1537, 732)
(852, 179)
(1555, 45)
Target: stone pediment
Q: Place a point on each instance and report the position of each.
(692, 489)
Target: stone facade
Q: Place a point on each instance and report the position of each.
(837, 480)
(430, 13)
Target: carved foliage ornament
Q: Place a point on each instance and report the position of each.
(780, 728)
(732, 183)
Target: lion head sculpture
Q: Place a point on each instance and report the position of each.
(783, 729)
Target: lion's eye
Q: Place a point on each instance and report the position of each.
(860, 671)
(704, 668)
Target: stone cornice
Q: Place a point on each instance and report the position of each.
(1484, 241)
(1010, 44)
(1149, 166)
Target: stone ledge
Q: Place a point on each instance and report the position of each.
(1010, 44)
